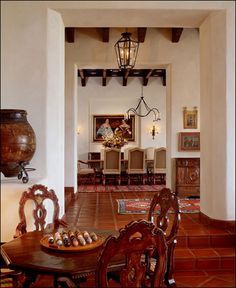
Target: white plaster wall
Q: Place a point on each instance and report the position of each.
(217, 162)
(33, 79)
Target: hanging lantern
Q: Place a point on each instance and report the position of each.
(126, 51)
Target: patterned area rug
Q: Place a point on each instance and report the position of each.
(141, 206)
(118, 188)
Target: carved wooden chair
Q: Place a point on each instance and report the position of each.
(112, 164)
(135, 244)
(159, 167)
(168, 220)
(85, 172)
(136, 164)
(38, 194)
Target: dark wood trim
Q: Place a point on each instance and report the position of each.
(105, 35)
(70, 34)
(83, 78)
(146, 78)
(176, 33)
(104, 77)
(125, 77)
(141, 34)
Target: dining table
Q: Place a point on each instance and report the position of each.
(26, 253)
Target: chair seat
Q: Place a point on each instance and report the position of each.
(136, 171)
(86, 171)
(160, 170)
(111, 171)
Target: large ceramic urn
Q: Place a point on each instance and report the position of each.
(18, 141)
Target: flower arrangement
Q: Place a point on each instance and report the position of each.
(115, 140)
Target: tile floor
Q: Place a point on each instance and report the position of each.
(204, 256)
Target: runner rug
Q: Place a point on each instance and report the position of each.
(118, 188)
(141, 206)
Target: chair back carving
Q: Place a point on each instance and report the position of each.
(168, 220)
(112, 160)
(38, 194)
(136, 160)
(135, 243)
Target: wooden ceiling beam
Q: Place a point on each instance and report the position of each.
(164, 78)
(125, 77)
(82, 77)
(104, 77)
(105, 34)
(176, 33)
(70, 34)
(141, 34)
(146, 78)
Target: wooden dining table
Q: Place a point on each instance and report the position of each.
(26, 254)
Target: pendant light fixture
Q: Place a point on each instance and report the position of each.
(137, 111)
(126, 51)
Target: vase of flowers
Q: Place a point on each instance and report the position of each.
(115, 140)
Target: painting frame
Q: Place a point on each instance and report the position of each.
(115, 120)
(190, 118)
(189, 141)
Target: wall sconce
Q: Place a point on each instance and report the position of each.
(78, 130)
(154, 132)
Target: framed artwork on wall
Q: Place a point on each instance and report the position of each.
(189, 141)
(190, 118)
(104, 125)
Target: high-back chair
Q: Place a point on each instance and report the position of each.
(38, 194)
(167, 219)
(134, 246)
(136, 164)
(159, 167)
(85, 173)
(112, 164)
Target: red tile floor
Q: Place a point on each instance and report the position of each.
(204, 255)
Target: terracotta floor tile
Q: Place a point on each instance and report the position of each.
(205, 253)
(191, 273)
(99, 210)
(208, 263)
(226, 252)
(202, 241)
(190, 281)
(184, 253)
(222, 240)
(216, 282)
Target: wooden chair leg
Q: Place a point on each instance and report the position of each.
(103, 179)
(169, 279)
(118, 179)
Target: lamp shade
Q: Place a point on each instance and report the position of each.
(126, 51)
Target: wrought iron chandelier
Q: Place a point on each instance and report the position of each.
(137, 111)
(126, 51)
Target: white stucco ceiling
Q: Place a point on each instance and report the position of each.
(187, 14)
(133, 18)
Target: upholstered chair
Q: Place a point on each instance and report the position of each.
(112, 164)
(136, 165)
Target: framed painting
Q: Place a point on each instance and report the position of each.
(189, 141)
(190, 118)
(104, 125)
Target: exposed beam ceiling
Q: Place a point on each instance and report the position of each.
(144, 74)
(141, 34)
